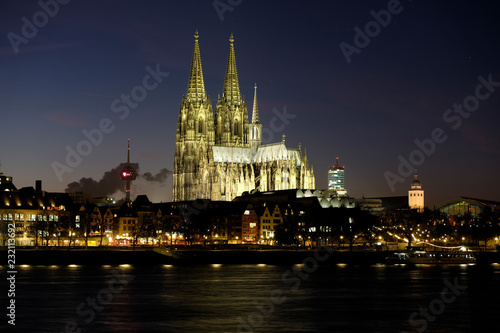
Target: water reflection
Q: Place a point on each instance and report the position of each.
(222, 298)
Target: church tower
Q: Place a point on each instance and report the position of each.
(231, 115)
(255, 128)
(221, 157)
(195, 132)
(416, 194)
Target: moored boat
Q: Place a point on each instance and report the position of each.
(431, 257)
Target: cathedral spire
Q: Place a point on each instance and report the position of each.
(196, 86)
(231, 105)
(255, 112)
(231, 86)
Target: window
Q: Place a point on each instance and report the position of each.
(255, 133)
(236, 132)
(200, 125)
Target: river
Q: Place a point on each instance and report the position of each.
(257, 298)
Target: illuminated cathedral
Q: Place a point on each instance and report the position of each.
(220, 157)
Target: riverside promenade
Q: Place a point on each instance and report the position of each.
(186, 256)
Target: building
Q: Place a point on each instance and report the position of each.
(336, 180)
(268, 223)
(102, 220)
(220, 157)
(250, 225)
(416, 194)
(467, 206)
(296, 196)
(38, 217)
(80, 198)
(6, 183)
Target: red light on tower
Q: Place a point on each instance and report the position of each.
(128, 174)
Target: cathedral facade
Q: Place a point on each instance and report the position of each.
(220, 157)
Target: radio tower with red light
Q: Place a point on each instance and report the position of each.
(128, 174)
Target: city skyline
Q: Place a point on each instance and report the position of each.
(419, 86)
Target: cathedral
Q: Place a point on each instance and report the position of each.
(220, 157)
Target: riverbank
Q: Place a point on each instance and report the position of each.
(149, 256)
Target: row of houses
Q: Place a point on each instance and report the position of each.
(42, 218)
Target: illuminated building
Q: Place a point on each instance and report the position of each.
(220, 157)
(39, 217)
(249, 225)
(467, 206)
(416, 194)
(6, 183)
(336, 180)
(101, 224)
(269, 222)
(128, 174)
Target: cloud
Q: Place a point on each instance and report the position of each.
(160, 177)
(110, 183)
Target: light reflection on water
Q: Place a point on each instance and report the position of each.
(221, 298)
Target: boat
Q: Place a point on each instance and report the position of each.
(431, 257)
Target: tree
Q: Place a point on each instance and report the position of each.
(404, 221)
(48, 228)
(486, 225)
(367, 225)
(85, 224)
(4, 227)
(172, 224)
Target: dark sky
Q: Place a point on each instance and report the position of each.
(396, 89)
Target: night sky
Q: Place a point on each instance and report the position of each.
(396, 88)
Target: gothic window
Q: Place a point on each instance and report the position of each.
(236, 127)
(200, 125)
(255, 134)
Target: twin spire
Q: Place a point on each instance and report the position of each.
(231, 92)
(196, 86)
